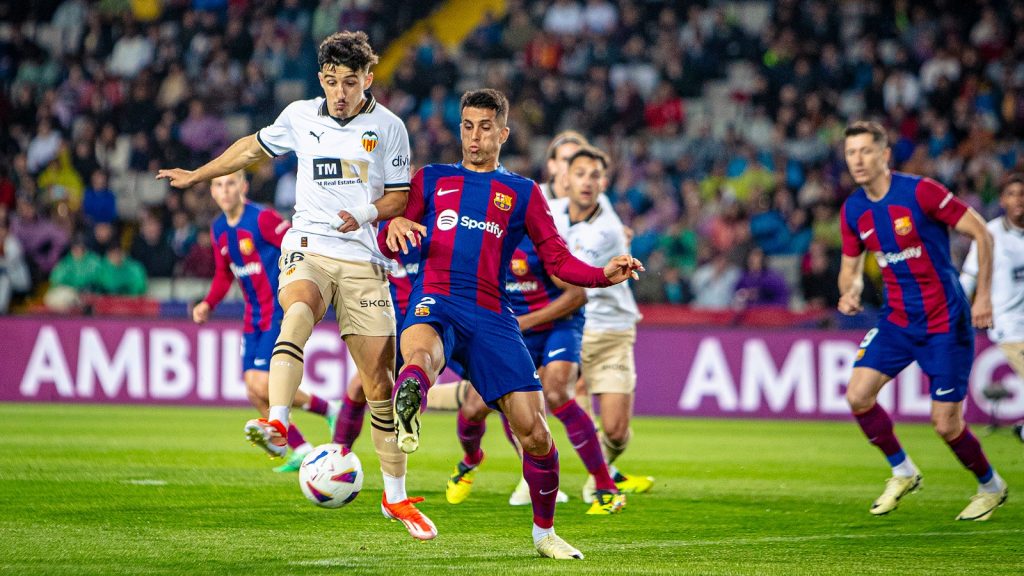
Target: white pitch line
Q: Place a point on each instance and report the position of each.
(813, 537)
(146, 482)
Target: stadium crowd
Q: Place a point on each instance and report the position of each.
(724, 121)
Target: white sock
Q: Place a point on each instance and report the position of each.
(394, 488)
(995, 484)
(280, 413)
(539, 532)
(905, 469)
(304, 449)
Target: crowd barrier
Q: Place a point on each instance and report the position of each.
(683, 371)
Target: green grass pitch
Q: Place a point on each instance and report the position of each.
(155, 490)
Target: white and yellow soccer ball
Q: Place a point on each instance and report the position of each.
(331, 476)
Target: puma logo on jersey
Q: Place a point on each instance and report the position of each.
(315, 135)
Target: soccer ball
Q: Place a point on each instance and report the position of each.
(331, 476)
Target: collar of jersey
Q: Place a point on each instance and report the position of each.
(589, 219)
(368, 105)
(1010, 227)
(500, 169)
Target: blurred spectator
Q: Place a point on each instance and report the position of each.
(42, 240)
(183, 233)
(202, 133)
(759, 285)
(102, 236)
(151, 249)
(120, 275)
(132, 52)
(14, 276)
(714, 283)
(200, 261)
(99, 203)
(75, 274)
(819, 279)
(44, 146)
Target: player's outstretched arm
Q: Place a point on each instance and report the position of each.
(622, 268)
(245, 152)
(851, 284)
(971, 224)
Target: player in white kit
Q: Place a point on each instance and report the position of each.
(1007, 276)
(592, 231)
(353, 171)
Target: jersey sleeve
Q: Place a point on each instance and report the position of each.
(551, 248)
(396, 158)
(222, 275)
(852, 244)
(278, 138)
(414, 210)
(272, 226)
(939, 203)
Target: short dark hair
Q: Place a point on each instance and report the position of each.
(487, 99)
(1015, 178)
(592, 153)
(566, 137)
(876, 130)
(349, 49)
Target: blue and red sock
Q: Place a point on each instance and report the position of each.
(583, 437)
(470, 435)
(541, 473)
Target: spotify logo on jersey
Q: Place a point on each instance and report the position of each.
(447, 219)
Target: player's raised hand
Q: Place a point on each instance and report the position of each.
(201, 313)
(849, 303)
(403, 233)
(177, 177)
(622, 268)
(981, 313)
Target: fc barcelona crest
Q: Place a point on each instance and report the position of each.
(903, 225)
(519, 266)
(503, 201)
(369, 141)
(245, 246)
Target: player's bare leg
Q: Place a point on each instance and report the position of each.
(948, 421)
(471, 426)
(424, 359)
(862, 394)
(374, 357)
(525, 413)
(583, 397)
(616, 414)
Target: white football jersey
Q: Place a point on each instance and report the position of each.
(1007, 281)
(342, 164)
(596, 241)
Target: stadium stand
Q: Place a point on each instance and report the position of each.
(723, 119)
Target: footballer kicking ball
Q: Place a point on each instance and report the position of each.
(331, 476)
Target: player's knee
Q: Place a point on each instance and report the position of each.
(859, 400)
(257, 389)
(948, 429)
(537, 440)
(474, 409)
(297, 324)
(555, 396)
(617, 433)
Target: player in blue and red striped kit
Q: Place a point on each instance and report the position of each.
(905, 220)
(246, 242)
(472, 216)
(550, 315)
